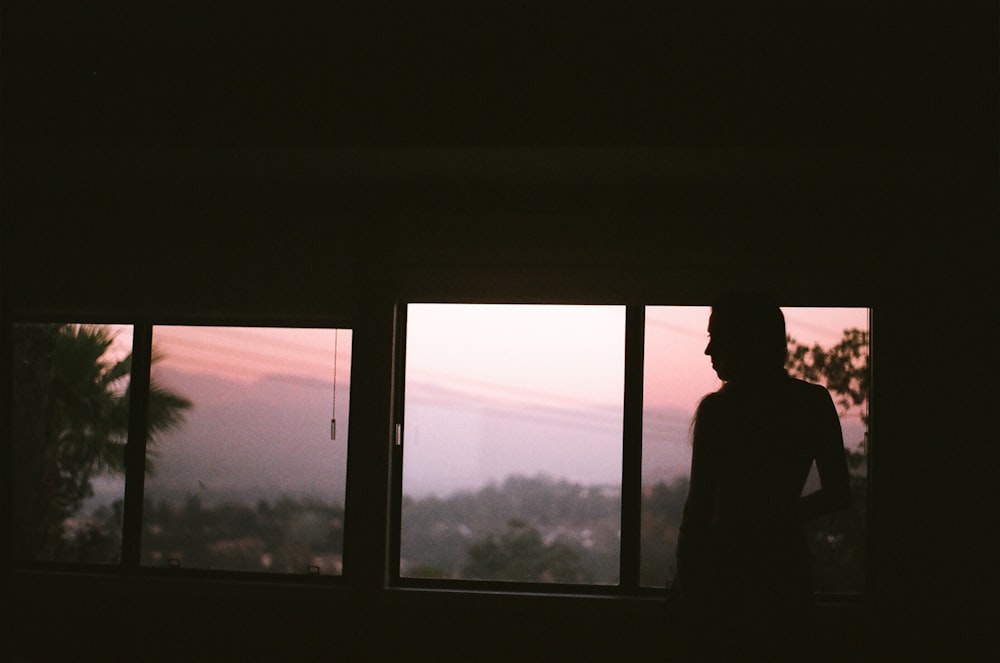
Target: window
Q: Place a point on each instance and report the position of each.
(677, 375)
(254, 478)
(538, 444)
(240, 435)
(517, 460)
(512, 457)
(69, 423)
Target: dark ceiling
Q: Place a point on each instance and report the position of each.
(511, 72)
(842, 139)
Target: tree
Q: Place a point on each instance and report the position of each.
(662, 511)
(837, 541)
(70, 425)
(843, 369)
(519, 554)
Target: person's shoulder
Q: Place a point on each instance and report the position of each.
(806, 387)
(712, 397)
(710, 402)
(809, 391)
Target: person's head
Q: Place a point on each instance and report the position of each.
(747, 336)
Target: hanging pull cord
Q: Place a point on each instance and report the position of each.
(333, 409)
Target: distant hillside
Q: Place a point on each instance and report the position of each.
(246, 441)
(250, 441)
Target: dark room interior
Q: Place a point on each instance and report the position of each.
(326, 163)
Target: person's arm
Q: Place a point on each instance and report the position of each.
(834, 493)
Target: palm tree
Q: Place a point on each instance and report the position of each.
(70, 425)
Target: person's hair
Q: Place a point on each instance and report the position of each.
(754, 325)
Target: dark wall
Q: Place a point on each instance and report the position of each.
(199, 145)
(296, 161)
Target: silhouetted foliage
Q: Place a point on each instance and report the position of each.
(843, 369)
(519, 554)
(96, 537)
(472, 535)
(838, 540)
(662, 508)
(285, 536)
(70, 425)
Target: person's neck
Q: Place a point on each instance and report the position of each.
(758, 377)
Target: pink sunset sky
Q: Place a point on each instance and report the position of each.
(484, 346)
(491, 390)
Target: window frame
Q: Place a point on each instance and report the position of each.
(359, 571)
(631, 491)
(129, 563)
(629, 583)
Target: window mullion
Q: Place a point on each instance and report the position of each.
(632, 447)
(396, 460)
(135, 449)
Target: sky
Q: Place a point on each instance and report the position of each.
(491, 390)
(494, 390)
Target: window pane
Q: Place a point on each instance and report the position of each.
(251, 479)
(512, 456)
(69, 425)
(677, 374)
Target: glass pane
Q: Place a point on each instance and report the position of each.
(675, 376)
(512, 455)
(251, 480)
(678, 374)
(69, 425)
(838, 541)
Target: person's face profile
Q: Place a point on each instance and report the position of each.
(719, 349)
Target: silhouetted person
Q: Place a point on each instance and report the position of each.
(743, 589)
